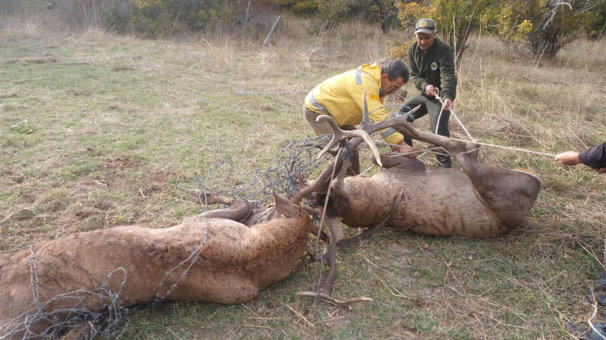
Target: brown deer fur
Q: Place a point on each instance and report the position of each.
(477, 201)
(234, 264)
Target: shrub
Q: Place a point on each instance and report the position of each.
(334, 12)
(159, 18)
(548, 25)
(307, 7)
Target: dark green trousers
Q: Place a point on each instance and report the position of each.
(431, 107)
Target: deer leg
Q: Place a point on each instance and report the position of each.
(361, 235)
(452, 146)
(400, 124)
(206, 198)
(236, 212)
(366, 233)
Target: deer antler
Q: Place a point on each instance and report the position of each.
(339, 135)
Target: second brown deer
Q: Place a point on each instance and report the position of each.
(477, 201)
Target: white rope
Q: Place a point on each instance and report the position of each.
(423, 151)
(453, 113)
(509, 148)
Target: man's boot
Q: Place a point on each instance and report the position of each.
(444, 161)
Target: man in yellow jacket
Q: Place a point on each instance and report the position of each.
(342, 97)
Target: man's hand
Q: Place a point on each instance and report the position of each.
(405, 149)
(448, 104)
(430, 90)
(568, 158)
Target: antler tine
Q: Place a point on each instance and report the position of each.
(370, 127)
(371, 144)
(366, 121)
(339, 135)
(415, 109)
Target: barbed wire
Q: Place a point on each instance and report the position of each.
(44, 321)
(297, 158)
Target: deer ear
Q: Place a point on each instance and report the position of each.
(284, 207)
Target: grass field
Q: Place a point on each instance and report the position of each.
(99, 130)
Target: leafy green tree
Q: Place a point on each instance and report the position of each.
(596, 22)
(546, 25)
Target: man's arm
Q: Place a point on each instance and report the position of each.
(448, 78)
(568, 158)
(594, 157)
(415, 76)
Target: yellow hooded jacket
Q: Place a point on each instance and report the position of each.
(342, 96)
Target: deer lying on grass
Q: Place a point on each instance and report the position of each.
(235, 261)
(478, 202)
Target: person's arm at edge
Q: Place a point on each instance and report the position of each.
(594, 157)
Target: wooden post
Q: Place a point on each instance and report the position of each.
(271, 31)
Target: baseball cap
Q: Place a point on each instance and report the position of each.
(426, 26)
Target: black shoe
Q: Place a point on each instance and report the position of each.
(444, 162)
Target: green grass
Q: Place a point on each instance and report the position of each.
(98, 130)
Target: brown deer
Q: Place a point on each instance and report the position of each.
(225, 261)
(478, 202)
